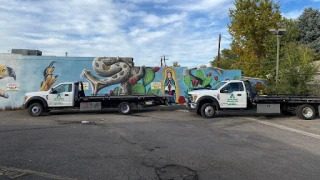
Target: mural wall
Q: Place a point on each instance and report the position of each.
(101, 75)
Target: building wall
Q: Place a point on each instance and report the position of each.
(113, 76)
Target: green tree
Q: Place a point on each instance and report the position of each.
(292, 34)
(227, 58)
(176, 64)
(309, 25)
(297, 72)
(250, 24)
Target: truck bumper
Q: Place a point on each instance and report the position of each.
(192, 107)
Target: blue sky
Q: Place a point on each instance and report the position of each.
(185, 31)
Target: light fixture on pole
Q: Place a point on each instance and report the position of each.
(278, 33)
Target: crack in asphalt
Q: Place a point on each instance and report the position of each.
(29, 129)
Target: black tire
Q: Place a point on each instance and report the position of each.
(125, 108)
(35, 109)
(208, 110)
(199, 111)
(306, 112)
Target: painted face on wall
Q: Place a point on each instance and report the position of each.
(216, 78)
(169, 75)
(7, 72)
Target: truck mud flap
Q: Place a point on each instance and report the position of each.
(89, 106)
(268, 108)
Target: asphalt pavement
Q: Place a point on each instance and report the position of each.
(157, 144)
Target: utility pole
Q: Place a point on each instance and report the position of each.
(161, 62)
(164, 61)
(219, 50)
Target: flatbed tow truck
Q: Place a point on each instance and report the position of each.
(238, 95)
(70, 95)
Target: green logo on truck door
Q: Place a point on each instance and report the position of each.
(58, 98)
(232, 101)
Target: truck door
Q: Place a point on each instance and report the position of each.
(61, 96)
(233, 95)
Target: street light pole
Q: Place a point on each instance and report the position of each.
(278, 33)
(278, 53)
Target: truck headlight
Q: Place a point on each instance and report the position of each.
(192, 98)
(195, 97)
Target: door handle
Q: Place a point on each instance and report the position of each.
(239, 95)
(66, 95)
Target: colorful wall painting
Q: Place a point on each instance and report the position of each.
(6, 72)
(104, 75)
(49, 78)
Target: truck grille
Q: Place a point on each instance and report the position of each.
(189, 98)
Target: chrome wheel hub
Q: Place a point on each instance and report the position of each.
(209, 111)
(35, 110)
(125, 108)
(307, 112)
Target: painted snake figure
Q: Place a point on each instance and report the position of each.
(6, 72)
(116, 70)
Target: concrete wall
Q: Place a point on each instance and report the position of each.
(113, 76)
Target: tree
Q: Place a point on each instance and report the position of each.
(176, 64)
(297, 72)
(309, 25)
(227, 58)
(292, 34)
(250, 24)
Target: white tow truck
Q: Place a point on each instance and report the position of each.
(70, 95)
(238, 95)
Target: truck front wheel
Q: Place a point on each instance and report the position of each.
(35, 109)
(208, 110)
(306, 112)
(125, 108)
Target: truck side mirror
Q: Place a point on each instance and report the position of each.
(53, 91)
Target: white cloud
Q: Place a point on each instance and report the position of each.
(293, 14)
(202, 5)
(154, 21)
(187, 31)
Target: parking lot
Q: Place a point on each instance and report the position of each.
(159, 143)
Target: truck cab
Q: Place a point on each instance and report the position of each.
(60, 96)
(233, 94)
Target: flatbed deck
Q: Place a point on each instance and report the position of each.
(287, 99)
(127, 97)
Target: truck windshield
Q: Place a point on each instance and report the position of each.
(217, 86)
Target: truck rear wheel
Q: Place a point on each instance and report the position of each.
(306, 112)
(208, 110)
(35, 109)
(125, 108)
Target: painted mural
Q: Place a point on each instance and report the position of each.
(6, 72)
(49, 78)
(116, 70)
(169, 86)
(104, 75)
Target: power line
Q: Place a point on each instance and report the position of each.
(227, 38)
